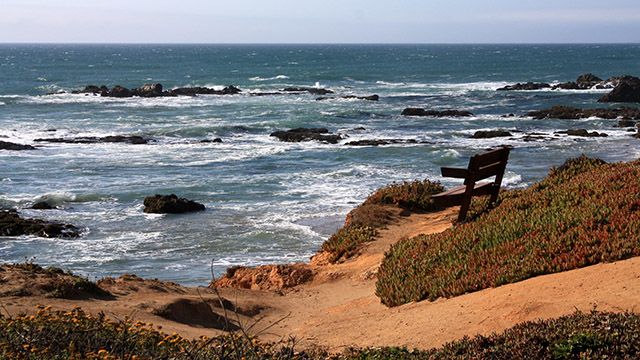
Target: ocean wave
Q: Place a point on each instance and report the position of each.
(277, 77)
(61, 198)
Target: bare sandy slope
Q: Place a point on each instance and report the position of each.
(339, 308)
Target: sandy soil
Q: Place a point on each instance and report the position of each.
(339, 309)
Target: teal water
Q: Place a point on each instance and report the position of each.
(267, 201)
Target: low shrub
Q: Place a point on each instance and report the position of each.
(415, 195)
(583, 213)
(595, 335)
(362, 223)
(77, 335)
(345, 243)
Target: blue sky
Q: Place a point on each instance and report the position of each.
(326, 21)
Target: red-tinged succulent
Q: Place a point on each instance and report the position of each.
(583, 213)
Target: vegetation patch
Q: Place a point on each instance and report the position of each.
(415, 195)
(594, 335)
(29, 279)
(77, 335)
(362, 223)
(585, 212)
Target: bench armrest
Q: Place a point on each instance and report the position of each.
(454, 172)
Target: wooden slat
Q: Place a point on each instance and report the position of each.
(489, 170)
(454, 172)
(490, 157)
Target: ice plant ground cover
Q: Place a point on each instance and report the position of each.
(584, 212)
(363, 222)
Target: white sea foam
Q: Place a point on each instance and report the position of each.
(278, 77)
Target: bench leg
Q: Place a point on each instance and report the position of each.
(466, 202)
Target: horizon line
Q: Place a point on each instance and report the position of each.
(315, 43)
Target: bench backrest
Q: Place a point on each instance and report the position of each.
(488, 164)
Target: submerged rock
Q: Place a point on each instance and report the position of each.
(307, 134)
(135, 140)
(582, 132)
(5, 145)
(170, 204)
(378, 142)
(490, 134)
(369, 98)
(11, 224)
(627, 90)
(525, 86)
(42, 205)
(567, 112)
(435, 113)
(310, 90)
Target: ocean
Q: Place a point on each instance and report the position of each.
(267, 201)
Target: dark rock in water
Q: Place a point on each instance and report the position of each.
(11, 224)
(42, 205)
(525, 86)
(490, 134)
(216, 140)
(307, 134)
(5, 145)
(119, 92)
(568, 86)
(587, 81)
(583, 82)
(311, 90)
(378, 142)
(369, 98)
(135, 140)
(149, 90)
(567, 112)
(360, 129)
(627, 90)
(625, 123)
(198, 90)
(170, 204)
(435, 113)
(582, 132)
(92, 89)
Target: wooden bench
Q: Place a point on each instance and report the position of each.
(481, 166)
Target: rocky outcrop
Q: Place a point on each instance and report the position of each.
(267, 277)
(567, 112)
(307, 134)
(42, 205)
(582, 133)
(216, 140)
(587, 81)
(369, 98)
(378, 142)
(149, 90)
(198, 90)
(482, 134)
(155, 90)
(583, 82)
(29, 279)
(5, 145)
(626, 123)
(135, 140)
(435, 113)
(310, 90)
(119, 92)
(525, 86)
(11, 224)
(627, 90)
(170, 204)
